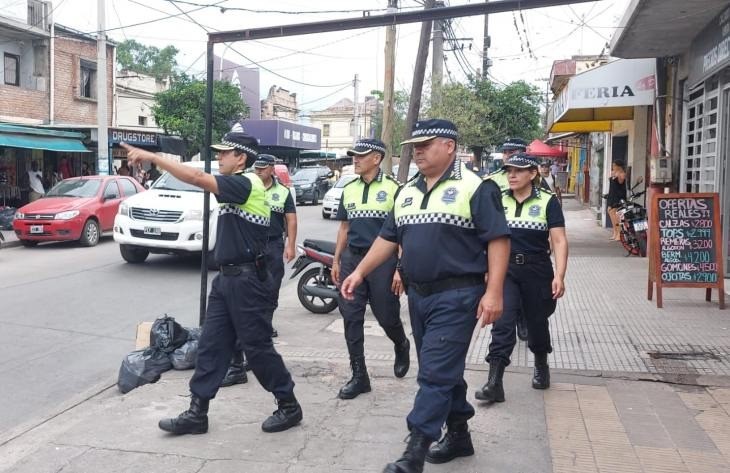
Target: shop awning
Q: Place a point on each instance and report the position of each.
(15, 136)
(538, 148)
(594, 99)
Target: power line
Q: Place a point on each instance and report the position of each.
(325, 96)
(284, 12)
(114, 7)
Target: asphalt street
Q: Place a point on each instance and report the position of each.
(69, 315)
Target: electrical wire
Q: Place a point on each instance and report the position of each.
(283, 12)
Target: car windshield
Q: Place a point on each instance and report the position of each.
(75, 188)
(305, 175)
(344, 180)
(168, 182)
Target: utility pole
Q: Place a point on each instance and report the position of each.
(437, 64)
(485, 48)
(102, 163)
(389, 91)
(414, 106)
(355, 129)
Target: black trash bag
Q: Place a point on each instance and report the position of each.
(184, 357)
(142, 367)
(7, 215)
(167, 335)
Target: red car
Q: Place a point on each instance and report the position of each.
(80, 208)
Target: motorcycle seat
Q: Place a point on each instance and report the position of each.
(321, 245)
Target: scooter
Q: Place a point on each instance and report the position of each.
(316, 290)
(633, 223)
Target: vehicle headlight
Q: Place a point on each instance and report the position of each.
(19, 215)
(69, 214)
(124, 210)
(193, 214)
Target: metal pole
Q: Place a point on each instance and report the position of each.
(205, 152)
(102, 140)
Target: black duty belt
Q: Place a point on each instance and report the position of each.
(426, 289)
(358, 251)
(279, 238)
(236, 269)
(528, 258)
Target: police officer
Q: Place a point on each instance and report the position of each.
(240, 297)
(451, 228)
(283, 227)
(510, 147)
(534, 216)
(364, 205)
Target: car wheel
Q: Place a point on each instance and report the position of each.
(90, 234)
(133, 255)
(315, 198)
(324, 215)
(28, 243)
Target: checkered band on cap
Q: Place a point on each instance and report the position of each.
(512, 144)
(249, 151)
(372, 146)
(233, 209)
(446, 219)
(366, 214)
(521, 161)
(541, 226)
(445, 132)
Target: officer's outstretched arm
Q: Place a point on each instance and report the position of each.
(381, 250)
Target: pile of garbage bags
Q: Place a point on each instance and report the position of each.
(172, 346)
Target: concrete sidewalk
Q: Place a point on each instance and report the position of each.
(635, 389)
(10, 239)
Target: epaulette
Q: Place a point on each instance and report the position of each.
(391, 178)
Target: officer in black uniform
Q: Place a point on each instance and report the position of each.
(283, 224)
(240, 297)
(535, 218)
(510, 147)
(451, 228)
(364, 205)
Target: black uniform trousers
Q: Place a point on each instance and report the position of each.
(376, 289)
(527, 287)
(238, 308)
(443, 324)
(275, 264)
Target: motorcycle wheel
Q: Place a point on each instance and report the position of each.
(641, 239)
(317, 305)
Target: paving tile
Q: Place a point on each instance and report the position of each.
(569, 444)
(660, 460)
(704, 462)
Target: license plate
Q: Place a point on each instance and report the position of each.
(641, 225)
(152, 231)
(36, 228)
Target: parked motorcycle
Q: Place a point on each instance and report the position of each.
(633, 223)
(316, 289)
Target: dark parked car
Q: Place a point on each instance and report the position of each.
(311, 184)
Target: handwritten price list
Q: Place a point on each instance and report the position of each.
(686, 243)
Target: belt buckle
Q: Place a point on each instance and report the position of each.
(519, 258)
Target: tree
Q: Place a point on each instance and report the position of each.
(136, 57)
(180, 110)
(400, 107)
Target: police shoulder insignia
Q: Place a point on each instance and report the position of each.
(381, 196)
(449, 196)
(350, 206)
(534, 210)
(407, 201)
(275, 196)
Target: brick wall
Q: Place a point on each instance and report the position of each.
(16, 102)
(70, 107)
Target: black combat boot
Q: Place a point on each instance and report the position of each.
(402, 359)
(455, 443)
(192, 421)
(236, 374)
(541, 374)
(493, 391)
(413, 458)
(359, 383)
(521, 326)
(285, 417)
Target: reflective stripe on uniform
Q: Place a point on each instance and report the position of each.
(237, 210)
(276, 196)
(256, 209)
(444, 218)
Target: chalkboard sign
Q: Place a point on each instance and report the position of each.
(685, 249)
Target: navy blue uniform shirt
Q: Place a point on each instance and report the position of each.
(533, 240)
(281, 203)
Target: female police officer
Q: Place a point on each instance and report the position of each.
(534, 216)
(240, 297)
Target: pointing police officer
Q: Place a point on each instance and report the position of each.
(451, 228)
(240, 297)
(364, 205)
(535, 219)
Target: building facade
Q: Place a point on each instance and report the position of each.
(337, 122)
(280, 104)
(134, 96)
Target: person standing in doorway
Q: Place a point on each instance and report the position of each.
(616, 193)
(35, 179)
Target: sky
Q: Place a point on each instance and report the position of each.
(320, 68)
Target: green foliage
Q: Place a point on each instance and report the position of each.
(400, 109)
(180, 110)
(486, 113)
(136, 57)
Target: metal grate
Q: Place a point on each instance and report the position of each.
(155, 215)
(165, 236)
(39, 216)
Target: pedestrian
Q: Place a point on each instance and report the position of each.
(283, 227)
(153, 174)
(364, 205)
(534, 217)
(616, 194)
(35, 179)
(547, 180)
(240, 296)
(510, 147)
(451, 229)
(123, 169)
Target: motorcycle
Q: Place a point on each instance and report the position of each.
(316, 290)
(633, 223)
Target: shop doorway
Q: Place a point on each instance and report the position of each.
(619, 152)
(724, 162)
